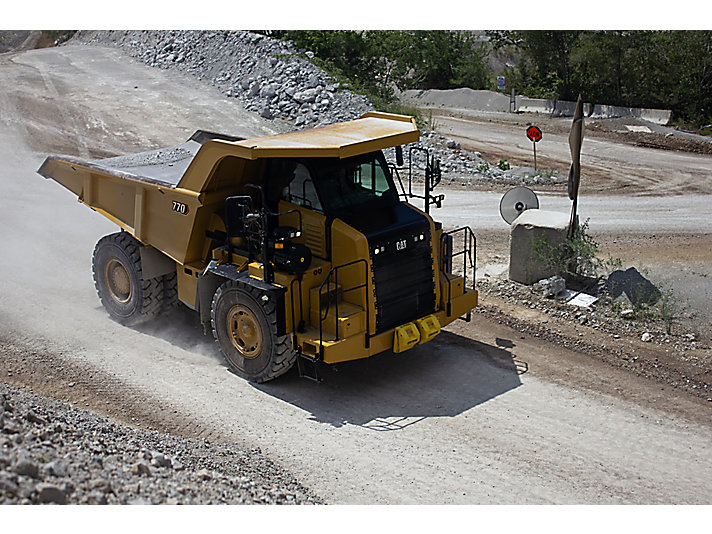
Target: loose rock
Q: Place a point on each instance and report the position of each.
(90, 460)
(550, 287)
(27, 468)
(48, 493)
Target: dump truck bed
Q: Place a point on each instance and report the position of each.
(163, 166)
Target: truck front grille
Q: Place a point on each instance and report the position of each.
(403, 278)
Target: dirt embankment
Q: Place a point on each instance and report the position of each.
(636, 341)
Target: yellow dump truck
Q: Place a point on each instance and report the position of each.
(296, 247)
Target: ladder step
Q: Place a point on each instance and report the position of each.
(352, 319)
(309, 368)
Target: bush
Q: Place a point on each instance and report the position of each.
(575, 258)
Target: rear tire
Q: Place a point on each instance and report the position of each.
(245, 329)
(170, 291)
(118, 279)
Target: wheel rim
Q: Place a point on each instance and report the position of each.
(244, 331)
(118, 281)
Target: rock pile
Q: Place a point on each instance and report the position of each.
(52, 453)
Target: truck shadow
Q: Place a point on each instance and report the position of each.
(444, 378)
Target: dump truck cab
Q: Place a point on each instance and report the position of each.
(360, 191)
(297, 247)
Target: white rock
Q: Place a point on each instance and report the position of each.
(306, 96)
(550, 287)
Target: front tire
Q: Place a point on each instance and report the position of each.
(118, 278)
(245, 328)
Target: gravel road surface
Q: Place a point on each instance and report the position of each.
(483, 414)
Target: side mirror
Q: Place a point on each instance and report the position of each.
(399, 155)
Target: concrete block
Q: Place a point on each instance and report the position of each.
(563, 108)
(524, 265)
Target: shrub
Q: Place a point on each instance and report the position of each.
(577, 257)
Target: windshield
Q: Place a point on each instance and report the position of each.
(355, 184)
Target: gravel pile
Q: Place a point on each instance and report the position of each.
(279, 82)
(10, 40)
(268, 76)
(464, 167)
(53, 453)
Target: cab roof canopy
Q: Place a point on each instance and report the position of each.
(373, 131)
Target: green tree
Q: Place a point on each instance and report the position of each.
(442, 60)
(601, 63)
(547, 58)
(377, 60)
(659, 69)
(691, 69)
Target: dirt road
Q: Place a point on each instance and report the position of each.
(483, 414)
(612, 164)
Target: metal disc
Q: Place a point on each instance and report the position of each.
(515, 201)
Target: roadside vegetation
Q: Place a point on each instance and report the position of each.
(652, 69)
(58, 36)
(628, 293)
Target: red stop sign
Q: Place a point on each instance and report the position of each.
(534, 134)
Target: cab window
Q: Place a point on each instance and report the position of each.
(301, 190)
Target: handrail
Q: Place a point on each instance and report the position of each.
(396, 174)
(432, 179)
(322, 317)
(469, 244)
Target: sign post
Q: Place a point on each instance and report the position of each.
(534, 135)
